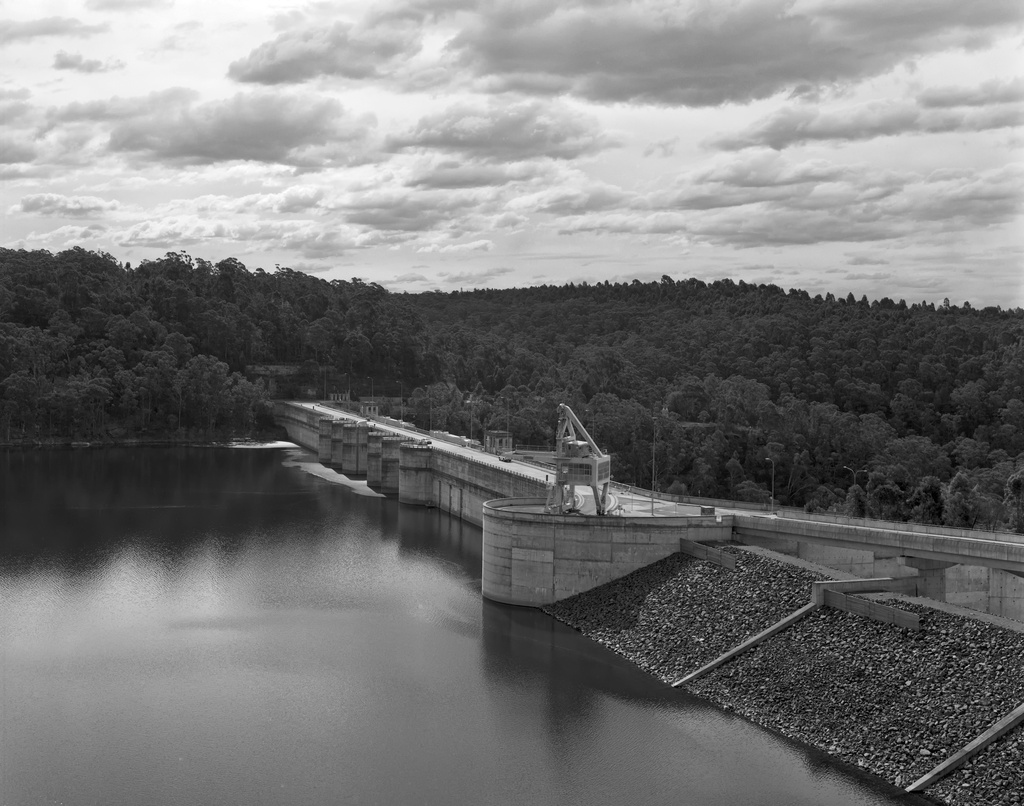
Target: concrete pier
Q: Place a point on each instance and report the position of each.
(374, 454)
(415, 476)
(389, 463)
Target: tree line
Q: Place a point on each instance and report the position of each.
(722, 389)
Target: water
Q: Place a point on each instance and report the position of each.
(218, 626)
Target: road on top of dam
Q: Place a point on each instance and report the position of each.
(633, 504)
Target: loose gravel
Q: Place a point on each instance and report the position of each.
(892, 701)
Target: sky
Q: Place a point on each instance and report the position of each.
(871, 147)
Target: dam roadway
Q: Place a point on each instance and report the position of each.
(534, 558)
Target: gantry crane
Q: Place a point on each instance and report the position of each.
(577, 460)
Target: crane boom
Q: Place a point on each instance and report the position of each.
(578, 460)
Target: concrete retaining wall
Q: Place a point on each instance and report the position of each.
(461, 485)
(533, 559)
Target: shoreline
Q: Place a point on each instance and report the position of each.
(891, 702)
(191, 440)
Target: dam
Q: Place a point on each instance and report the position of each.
(534, 557)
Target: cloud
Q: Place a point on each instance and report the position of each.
(127, 5)
(408, 278)
(400, 211)
(482, 245)
(454, 175)
(572, 201)
(69, 234)
(707, 54)
(802, 124)
(338, 50)
(292, 129)
(161, 102)
(310, 239)
(864, 260)
(12, 152)
(477, 279)
(54, 204)
(879, 275)
(763, 199)
(14, 31)
(506, 132)
(985, 94)
(75, 61)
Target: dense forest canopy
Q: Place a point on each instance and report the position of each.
(713, 389)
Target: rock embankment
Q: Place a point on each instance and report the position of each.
(889, 700)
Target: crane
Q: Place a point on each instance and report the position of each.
(577, 460)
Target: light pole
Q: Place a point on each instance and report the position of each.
(769, 459)
(855, 472)
(654, 442)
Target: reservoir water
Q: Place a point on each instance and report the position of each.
(220, 626)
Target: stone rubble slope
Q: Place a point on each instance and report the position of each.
(892, 701)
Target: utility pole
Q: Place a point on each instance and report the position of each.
(769, 459)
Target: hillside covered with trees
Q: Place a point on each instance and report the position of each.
(903, 411)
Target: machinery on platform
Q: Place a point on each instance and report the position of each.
(577, 460)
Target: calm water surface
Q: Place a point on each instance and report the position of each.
(220, 626)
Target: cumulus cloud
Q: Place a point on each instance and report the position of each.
(401, 211)
(14, 31)
(482, 245)
(571, 201)
(336, 50)
(984, 94)
(13, 151)
(453, 175)
(764, 199)
(310, 239)
(77, 62)
(68, 234)
(865, 260)
(55, 204)
(478, 279)
(704, 54)
(292, 129)
(802, 124)
(506, 132)
(127, 5)
(164, 102)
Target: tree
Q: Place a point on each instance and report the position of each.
(960, 505)
(1014, 501)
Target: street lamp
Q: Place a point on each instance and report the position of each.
(769, 459)
(855, 472)
(654, 442)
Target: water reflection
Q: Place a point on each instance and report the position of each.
(202, 626)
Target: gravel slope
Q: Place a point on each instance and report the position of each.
(892, 701)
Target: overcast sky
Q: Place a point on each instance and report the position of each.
(872, 146)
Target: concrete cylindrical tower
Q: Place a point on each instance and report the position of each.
(415, 475)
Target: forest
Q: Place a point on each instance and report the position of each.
(723, 389)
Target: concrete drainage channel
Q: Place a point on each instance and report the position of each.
(927, 699)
